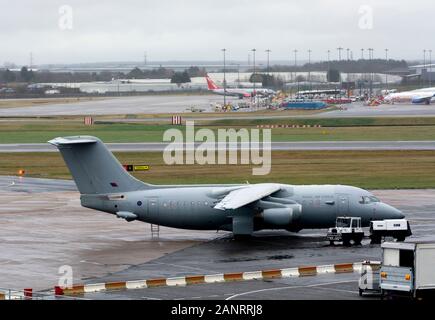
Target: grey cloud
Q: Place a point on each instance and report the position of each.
(197, 29)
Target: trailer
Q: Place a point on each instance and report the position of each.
(396, 228)
(408, 269)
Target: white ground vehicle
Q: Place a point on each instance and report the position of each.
(397, 228)
(408, 268)
(346, 229)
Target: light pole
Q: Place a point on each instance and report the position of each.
(430, 68)
(424, 65)
(253, 75)
(386, 72)
(309, 67)
(371, 73)
(339, 53)
(296, 63)
(268, 51)
(347, 53)
(329, 65)
(225, 80)
(238, 75)
(362, 54)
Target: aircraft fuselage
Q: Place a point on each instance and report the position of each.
(192, 207)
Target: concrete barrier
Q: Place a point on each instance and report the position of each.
(213, 278)
(290, 272)
(253, 275)
(343, 268)
(178, 281)
(326, 269)
(138, 284)
(115, 286)
(94, 287)
(156, 283)
(195, 279)
(294, 272)
(270, 274)
(79, 289)
(233, 276)
(307, 271)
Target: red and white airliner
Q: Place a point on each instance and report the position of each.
(241, 93)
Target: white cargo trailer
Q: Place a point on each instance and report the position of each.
(396, 228)
(408, 268)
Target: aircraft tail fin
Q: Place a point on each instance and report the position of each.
(210, 84)
(94, 168)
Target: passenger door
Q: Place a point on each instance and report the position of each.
(153, 207)
(343, 205)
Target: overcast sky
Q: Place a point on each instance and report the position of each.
(122, 30)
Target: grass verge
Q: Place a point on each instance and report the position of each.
(366, 169)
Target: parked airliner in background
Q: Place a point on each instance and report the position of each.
(240, 92)
(418, 96)
(105, 185)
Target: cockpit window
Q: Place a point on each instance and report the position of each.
(374, 199)
(368, 199)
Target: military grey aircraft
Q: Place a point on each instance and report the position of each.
(105, 185)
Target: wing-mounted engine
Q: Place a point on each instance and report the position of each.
(260, 206)
(277, 213)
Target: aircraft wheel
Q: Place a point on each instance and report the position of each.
(241, 237)
(357, 240)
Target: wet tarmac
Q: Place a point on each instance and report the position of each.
(123, 105)
(276, 146)
(159, 104)
(44, 228)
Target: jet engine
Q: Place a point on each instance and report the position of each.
(285, 217)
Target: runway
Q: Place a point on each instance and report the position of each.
(44, 227)
(122, 105)
(275, 146)
(168, 104)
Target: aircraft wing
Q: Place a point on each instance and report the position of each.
(243, 196)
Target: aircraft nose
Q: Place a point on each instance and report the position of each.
(385, 211)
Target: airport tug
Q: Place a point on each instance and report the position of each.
(346, 229)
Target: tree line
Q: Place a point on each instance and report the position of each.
(28, 76)
(345, 66)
